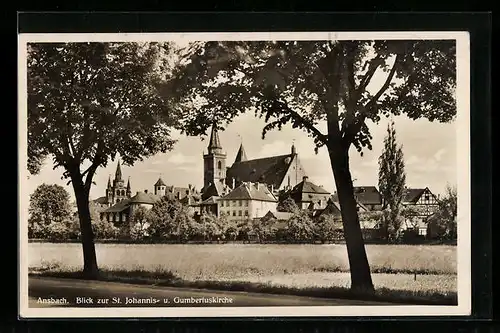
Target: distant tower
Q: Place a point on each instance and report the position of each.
(119, 191)
(129, 189)
(109, 192)
(241, 156)
(293, 150)
(215, 161)
(160, 187)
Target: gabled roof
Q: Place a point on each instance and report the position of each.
(413, 194)
(268, 170)
(305, 186)
(118, 207)
(368, 195)
(250, 191)
(144, 198)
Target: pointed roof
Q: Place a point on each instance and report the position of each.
(118, 173)
(367, 195)
(160, 182)
(128, 184)
(241, 156)
(214, 143)
(109, 181)
(250, 191)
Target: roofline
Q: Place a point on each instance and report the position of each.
(262, 158)
(288, 169)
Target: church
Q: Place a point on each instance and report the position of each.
(277, 173)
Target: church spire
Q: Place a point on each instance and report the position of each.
(214, 145)
(128, 185)
(118, 174)
(109, 181)
(241, 156)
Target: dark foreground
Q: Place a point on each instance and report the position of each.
(58, 292)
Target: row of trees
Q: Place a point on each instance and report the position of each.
(169, 220)
(83, 98)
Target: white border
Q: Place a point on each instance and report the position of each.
(463, 185)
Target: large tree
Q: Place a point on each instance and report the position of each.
(391, 182)
(328, 89)
(49, 206)
(88, 103)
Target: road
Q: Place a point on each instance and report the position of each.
(129, 295)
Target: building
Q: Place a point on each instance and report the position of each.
(423, 204)
(116, 190)
(247, 201)
(308, 195)
(277, 173)
(121, 212)
(367, 196)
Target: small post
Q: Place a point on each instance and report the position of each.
(415, 276)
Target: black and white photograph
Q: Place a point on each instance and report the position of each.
(244, 174)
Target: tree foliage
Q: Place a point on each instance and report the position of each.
(287, 204)
(391, 182)
(49, 208)
(309, 84)
(167, 218)
(446, 215)
(88, 102)
(301, 227)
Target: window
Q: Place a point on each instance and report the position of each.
(246, 203)
(240, 203)
(234, 213)
(422, 231)
(246, 212)
(222, 203)
(426, 197)
(234, 202)
(239, 213)
(219, 165)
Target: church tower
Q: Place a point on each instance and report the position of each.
(214, 166)
(160, 187)
(119, 190)
(109, 192)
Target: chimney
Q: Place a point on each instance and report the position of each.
(305, 178)
(272, 188)
(179, 195)
(258, 186)
(234, 183)
(145, 191)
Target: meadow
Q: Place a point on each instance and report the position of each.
(413, 271)
(220, 261)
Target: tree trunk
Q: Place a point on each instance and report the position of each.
(358, 262)
(90, 269)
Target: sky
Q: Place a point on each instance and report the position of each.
(429, 150)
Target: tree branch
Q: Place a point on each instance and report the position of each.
(351, 129)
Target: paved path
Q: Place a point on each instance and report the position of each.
(130, 295)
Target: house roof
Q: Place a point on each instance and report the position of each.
(210, 201)
(279, 215)
(368, 195)
(217, 188)
(305, 186)
(118, 207)
(268, 170)
(413, 194)
(144, 198)
(101, 200)
(250, 191)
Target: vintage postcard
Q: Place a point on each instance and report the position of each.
(244, 174)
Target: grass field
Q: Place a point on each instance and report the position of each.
(296, 267)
